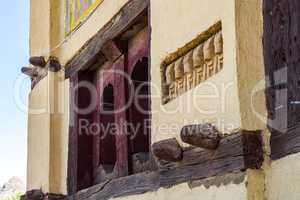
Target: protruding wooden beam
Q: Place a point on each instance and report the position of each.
(38, 61)
(29, 71)
(203, 135)
(54, 65)
(111, 51)
(168, 150)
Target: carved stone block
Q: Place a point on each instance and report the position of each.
(184, 71)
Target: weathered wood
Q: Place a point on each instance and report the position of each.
(236, 153)
(73, 139)
(111, 51)
(39, 195)
(29, 71)
(40, 69)
(203, 135)
(124, 19)
(54, 65)
(168, 150)
(285, 144)
(282, 61)
(130, 185)
(38, 61)
(33, 195)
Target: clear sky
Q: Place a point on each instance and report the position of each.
(14, 39)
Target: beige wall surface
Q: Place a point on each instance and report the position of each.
(39, 27)
(66, 47)
(283, 178)
(215, 100)
(38, 160)
(38, 138)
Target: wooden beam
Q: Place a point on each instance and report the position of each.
(203, 135)
(284, 144)
(122, 21)
(73, 138)
(54, 65)
(237, 152)
(29, 71)
(130, 185)
(38, 61)
(111, 51)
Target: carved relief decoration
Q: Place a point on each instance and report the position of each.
(196, 62)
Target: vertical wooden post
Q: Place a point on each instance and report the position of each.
(73, 139)
(120, 118)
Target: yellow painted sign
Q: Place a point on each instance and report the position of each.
(77, 11)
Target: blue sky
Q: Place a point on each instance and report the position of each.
(14, 40)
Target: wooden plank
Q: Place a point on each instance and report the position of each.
(236, 153)
(282, 61)
(73, 143)
(120, 116)
(112, 29)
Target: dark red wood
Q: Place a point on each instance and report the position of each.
(138, 48)
(102, 79)
(138, 112)
(120, 117)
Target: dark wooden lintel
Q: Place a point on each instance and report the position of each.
(122, 21)
(237, 152)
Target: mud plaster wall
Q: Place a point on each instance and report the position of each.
(38, 158)
(216, 99)
(39, 115)
(283, 178)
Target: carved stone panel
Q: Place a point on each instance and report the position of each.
(197, 61)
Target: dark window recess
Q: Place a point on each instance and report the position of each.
(85, 140)
(107, 146)
(138, 115)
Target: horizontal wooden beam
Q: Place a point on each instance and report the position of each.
(38, 61)
(235, 153)
(122, 21)
(284, 144)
